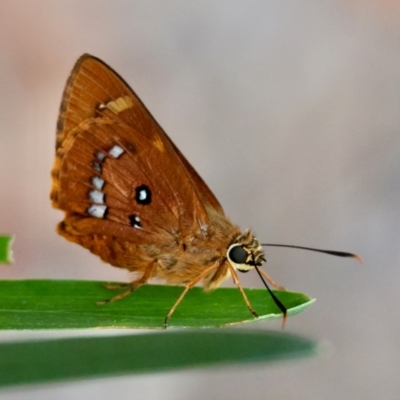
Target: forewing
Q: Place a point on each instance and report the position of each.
(93, 83)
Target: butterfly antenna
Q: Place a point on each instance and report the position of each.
(272, 294)
(331, 252)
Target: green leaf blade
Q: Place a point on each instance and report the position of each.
(47, 304)
(73, 358)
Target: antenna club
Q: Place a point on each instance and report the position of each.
(358, 258)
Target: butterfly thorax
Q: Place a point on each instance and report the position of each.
(182, 258)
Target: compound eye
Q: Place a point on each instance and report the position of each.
(238, 255)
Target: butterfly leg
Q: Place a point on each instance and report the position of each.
(245, 298)
(116, 287)
(270, 280)
(130, 286)
(188, 286)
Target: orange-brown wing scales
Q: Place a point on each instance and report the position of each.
(170, 180)
(206, 195)
(95, 182)
(93, 83)
(92, 182)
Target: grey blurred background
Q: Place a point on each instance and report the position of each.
(291, 113)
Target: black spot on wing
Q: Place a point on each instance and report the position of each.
(143, 195)
(135, 221)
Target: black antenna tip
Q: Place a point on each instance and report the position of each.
(330, 252)
(343, 254)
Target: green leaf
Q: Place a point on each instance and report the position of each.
(48, 304)
(44, 304)
(5, 249)
(52, 360)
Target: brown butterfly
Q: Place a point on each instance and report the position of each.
(132, 198)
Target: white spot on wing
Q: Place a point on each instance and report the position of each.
(143, 195)
(97, 182)
(100, 156)
(97, 167)
(136, 222)
(96, 196)
(116, 151)
(97, 211)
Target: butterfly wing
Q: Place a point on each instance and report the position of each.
(115, 163)
(91, 83)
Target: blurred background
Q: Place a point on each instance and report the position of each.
(291, 113)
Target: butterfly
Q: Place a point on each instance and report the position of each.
(131, 197)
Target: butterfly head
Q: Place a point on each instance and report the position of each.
(245, 252)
